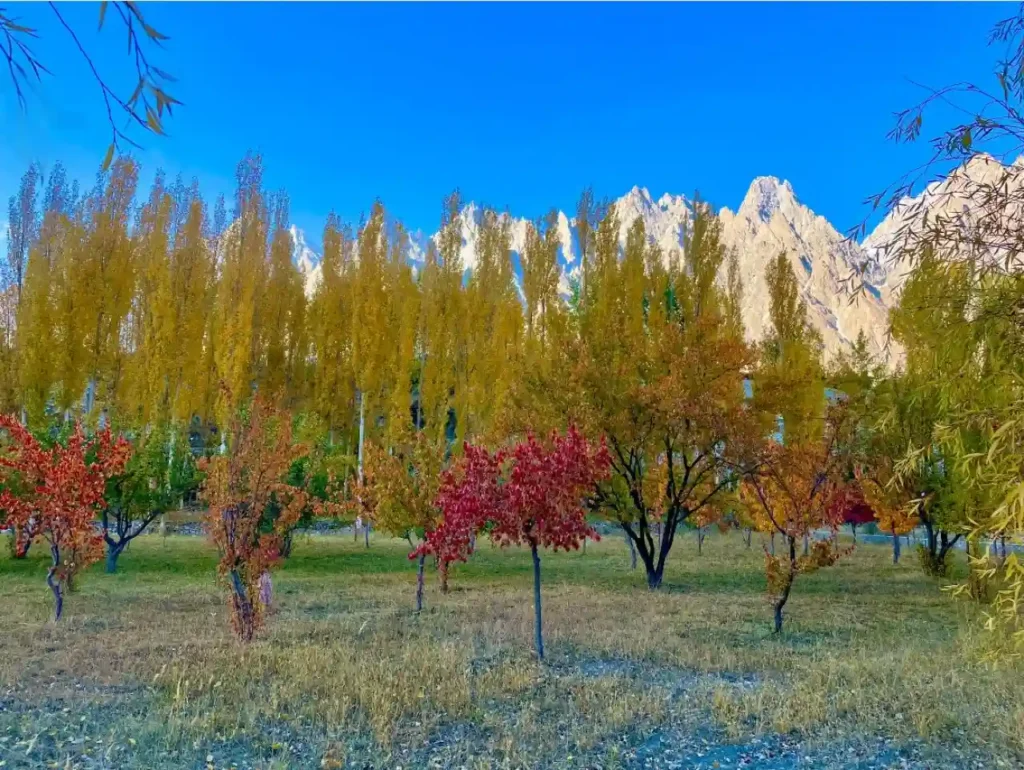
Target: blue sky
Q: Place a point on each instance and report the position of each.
(518, 105)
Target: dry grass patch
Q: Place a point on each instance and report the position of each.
(344, 669)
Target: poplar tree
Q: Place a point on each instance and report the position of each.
(283, 344)
(331, 320)
(37, 336)
(493, 323)
(103, 280)
(442, 325)
(239, 290)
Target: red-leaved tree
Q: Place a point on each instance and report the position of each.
(55, 493)
(530, 495)
(239, 486)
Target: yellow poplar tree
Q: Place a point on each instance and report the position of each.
(240, 284)
(331, 321)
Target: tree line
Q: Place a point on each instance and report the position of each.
(414, 396)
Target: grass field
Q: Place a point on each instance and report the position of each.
(877, 667)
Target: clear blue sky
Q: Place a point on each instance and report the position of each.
(518, 105)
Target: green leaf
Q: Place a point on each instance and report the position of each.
(965, 139)
(108, 158)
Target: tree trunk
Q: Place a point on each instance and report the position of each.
(538, 636)
(654, 577)
(286, 544)
(700, 540)
(807, 544)
(749, 533)
(1002, 547)
(895, 547)
(16, 552)
(54, 584)
(853, 529)
(241, 604)
(420, 564)
(442, 569)
(113, 552)
(366, 533)
(773, 544)
(790, 577)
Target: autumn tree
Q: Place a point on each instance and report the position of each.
(38, 335)
(100, 285)
(441, 375)
(531, 495)
(152, 482)
(650, 365)
(238, 488)
(405, 486)
(493, 323)
(55, 493)
(331, 319)
(283, 343)
(242, 256)
(791, 494)
(966, 236)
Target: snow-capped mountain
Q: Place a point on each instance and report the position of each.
(769, 220)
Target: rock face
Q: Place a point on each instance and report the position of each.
(958, 206)
(769, 220)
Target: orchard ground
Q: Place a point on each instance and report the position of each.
(877, 667)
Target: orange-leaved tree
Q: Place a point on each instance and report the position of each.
(894, 505)
(55, 493)
(532, 494)
(792, 494)
(238, 488)
(404, 497)
(648, 361)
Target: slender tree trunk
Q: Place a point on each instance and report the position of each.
(748, 534)
(853, 529)
(700, 540)
(773, 544)
(54, 583)
(442, 570)
(266, 590)
(16, 552)
(807, 544)
(538, 635)
(366, 533)
(243, 610)
(1002, 547)
(895, 547)
(790, 577)
(113, 552)
(420, 564)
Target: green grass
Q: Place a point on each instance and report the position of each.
(143, 672)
